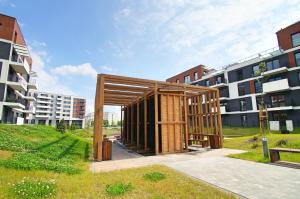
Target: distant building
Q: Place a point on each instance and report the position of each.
(50, 108)
(111, 117)
(17, 79)
(241, 91)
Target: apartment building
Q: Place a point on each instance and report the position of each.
(190, 75)
(50, 108)
(17, 79)
(242, 85)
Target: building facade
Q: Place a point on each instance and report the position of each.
(17, 80)
(190, 75)
(50, 108)
(242, 85)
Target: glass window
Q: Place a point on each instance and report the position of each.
(240, 75)
(243, 106)
(219, 80)
(297, 57)
(258, 87)
(296, 39)
(177, 81)
(274, 64)
(207, 83)
(278, 100)
(241, 89)
(244, 120)
(187, 79)
(195, 76)
(256, 70)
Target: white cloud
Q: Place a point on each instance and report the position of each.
(107, 68)
(85, 69)
(210, 32)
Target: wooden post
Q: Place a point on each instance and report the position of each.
(186, 118)
(145, 123)
(128, 123)
(122, 133)
(156, 119)
(98, 118)
(220, 120)
(137, 124)
(131, 124)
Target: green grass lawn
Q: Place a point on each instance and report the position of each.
(255, 151)
(240, 131)
(40, 162)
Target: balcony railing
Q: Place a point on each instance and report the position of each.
(276, 86)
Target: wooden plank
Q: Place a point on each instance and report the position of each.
(98, 118)
(206, 113)
(121, 121)
(220, 119)
(145, 123)
(138, 124)
(156, 119)
(186, 119)
(128, 124)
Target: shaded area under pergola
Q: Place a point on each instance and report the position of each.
(159, 117)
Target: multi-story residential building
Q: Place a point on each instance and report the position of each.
(243, 84)
(190, 75)
(111, 117)
(17, 80)
(51, 108)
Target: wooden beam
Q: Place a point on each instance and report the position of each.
(145, 123)
(138, 124)
(219, 119)
(98, 118)
(186, 118)
(156, 119)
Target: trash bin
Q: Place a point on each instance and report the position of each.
(214, 141)
(106, 149)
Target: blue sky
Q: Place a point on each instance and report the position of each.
(72, 40)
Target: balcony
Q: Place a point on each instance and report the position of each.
(29, 96)
(14, 103)
(44, 97)
(275, 71)
(43, 106)
(217, 84)
(42, 115)
(32, 84)
(18, 65)
(276, 86)
(42, 111)
(223, 109)
(17, 82)
(30, 110)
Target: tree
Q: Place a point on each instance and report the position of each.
(105, 123)
(73, 127)
(61, 126)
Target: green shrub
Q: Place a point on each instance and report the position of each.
(154, 176)
(118, 189)
(254, 146)
(281, 142)
(34, 188)
(61, 126)
(73, 127)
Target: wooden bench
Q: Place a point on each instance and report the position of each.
(204, 143)
(274, 153)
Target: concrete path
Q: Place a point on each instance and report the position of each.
(245, 178)
(120, 153)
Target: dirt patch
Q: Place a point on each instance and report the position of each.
(5, 154)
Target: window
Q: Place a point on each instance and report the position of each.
(195, 76)
(241, 89)
(0, 68)
(256, 70)
(243, 106)
(296, 39)
(187, 79)
(274, 79)
(177, 81)
(219, 80)
(258, 86)
(278, 100)
(240, 75)
(207, 83)
(297, 57)
(244, 120)
(274, 64)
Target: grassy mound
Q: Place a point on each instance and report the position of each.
(42, 148)
(118, 189)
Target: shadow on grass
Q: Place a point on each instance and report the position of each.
(65, 152)
(50, 143)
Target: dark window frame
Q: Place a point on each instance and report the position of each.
(243, 105)
(258, 86)
(296, 33)
(242, 89)
(240, 74)
(297, 60)
(273, 66)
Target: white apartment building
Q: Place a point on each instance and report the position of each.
(50, 108)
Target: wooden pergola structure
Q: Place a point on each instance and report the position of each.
(159, 116)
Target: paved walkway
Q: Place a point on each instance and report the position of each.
(245, 178)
